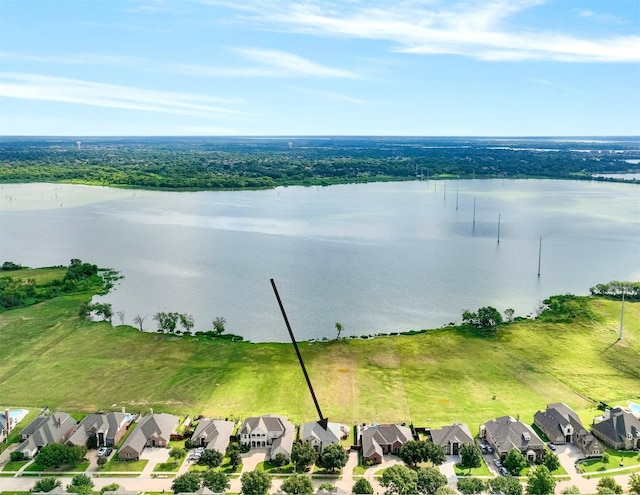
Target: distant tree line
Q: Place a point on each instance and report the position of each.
(245, 164)
(615, 289)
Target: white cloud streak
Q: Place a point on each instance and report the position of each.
(267, 63)
(58, 89)
(475, 29)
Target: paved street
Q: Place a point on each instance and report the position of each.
(567, 454)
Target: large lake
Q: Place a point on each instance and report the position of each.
(379, 258)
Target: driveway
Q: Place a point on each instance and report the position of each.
(447, 469)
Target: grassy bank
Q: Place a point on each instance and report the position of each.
(49, 357)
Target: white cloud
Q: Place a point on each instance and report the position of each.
(268, 63)
(477, 29)
(288, 63)
(39, 87)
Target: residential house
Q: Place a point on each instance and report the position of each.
(451, 438)
(269, 430)
(213, 434)
(619, 430)
(506, 433)
(45, 430)
(9, 420)
(153, 430)
(378, 440)
(108, 429)
(202, 491)
(561, 425)
(319, 437)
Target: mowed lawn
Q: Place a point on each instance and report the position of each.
(48, 357)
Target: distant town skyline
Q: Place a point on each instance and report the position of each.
(316, 67)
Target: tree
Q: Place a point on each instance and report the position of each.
(138, 320)
(255, 483)
(470, 456)
(218, 325)
(413, 452)
(514, 462)
(211, 458)
(608, 485)
(571, 490)
(362, 487)
(508, 314)
(399, 480)
(56, 454)
(487, 317)
(552, 461)
(102, 460)
(605, 458)
(235, 459)
(325, 486)
(297, 484)
(167, 322)
(216, 481)
(46, 485)
(81, 484)
(280, 460)
(334, 457)
(187, 323)
(338, 329)
(434, 453)
(303, 455)
(634, 484)
(121, 315)
(16, 456)
(469, 486)
(507, 485)
(188, 482)
(445, 490)
(540, 481)
(429, 480)
(176, 453)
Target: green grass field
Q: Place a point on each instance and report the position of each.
(49, 357)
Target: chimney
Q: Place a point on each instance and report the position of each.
(123, 410)
(607, 414)
(59, 422)
(8, 418)
(151, 410)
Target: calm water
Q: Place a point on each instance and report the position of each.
(376, 257)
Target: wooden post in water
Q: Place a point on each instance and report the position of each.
(539, 256)
(474, 212)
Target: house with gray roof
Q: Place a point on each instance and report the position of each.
(506, 433)
(153, 430)
(378, 440)
(451, 438)
(619, 430)
(213, 434)
(319, 437)
(108, 429)
(45, 430)
(202, 491)
(269, 430)
(562, 425)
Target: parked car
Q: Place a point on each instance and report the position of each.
(503, 471)
(483, 448)
(489, 449)
(107, 452)
(102, 451)
(552, 446)
(497, 463)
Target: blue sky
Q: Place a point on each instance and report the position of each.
(349, 67)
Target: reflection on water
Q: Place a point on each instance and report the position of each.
(376, 257)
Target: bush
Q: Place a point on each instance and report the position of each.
(16, 456)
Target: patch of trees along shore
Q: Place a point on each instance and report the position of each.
(244, 164)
